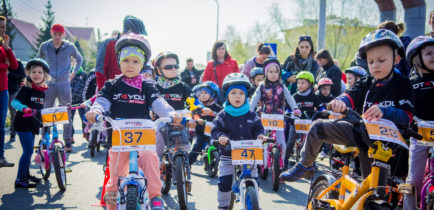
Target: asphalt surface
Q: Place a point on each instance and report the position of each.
(86, 180)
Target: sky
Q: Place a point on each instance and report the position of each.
(185, 27)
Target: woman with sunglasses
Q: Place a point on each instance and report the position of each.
(303, 57)
(170, 86)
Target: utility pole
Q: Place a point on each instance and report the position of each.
(218, 13)
(322, 24)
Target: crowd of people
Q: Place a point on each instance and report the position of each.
(391, 78)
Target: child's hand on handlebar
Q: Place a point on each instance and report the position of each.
(91, 115)
(223, 140)
(206, 112)
(297, 113)
(176, 118)
(337, 106)
(374, 113)
(262, 137)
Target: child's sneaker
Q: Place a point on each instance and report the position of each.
(297, 172)
(33, 179)
(24, 184)
(157, 203)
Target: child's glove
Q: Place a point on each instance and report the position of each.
(27, 110)
(297, 113)
(207, 112)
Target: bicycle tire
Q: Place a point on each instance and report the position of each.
(231, 204)
(132, 197)
(263, 172)
(92, 142)
(181, 182)
(251, 199)
(318, 187)
(59, 167)
(276, 169)
(214, 167)
(166, 175)
(45, 172)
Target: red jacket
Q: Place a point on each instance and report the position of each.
(13, 64)
(222, 70)
(111, 66)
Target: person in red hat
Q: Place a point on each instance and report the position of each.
(58, 52)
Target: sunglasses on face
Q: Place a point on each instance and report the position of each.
(304, 38)
(169, 67)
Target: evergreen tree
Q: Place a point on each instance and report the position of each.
(6, 11)
(48, 22)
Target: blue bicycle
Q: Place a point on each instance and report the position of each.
(246, 155)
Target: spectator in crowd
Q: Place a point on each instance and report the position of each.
(221, 64)
(58, 53)
(329, 70)
(191, 75)
(14, 80)
(431, 23)
(262, 54)
(7, 61)
(303, 57)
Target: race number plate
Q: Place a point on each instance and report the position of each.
(385, 130)
(247, 152)
(208, 127)
(426, 129)
(335, 116)
(55, 116)
(133, 135)
(273, 122)
(302, 126)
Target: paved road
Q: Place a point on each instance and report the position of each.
(86, 179)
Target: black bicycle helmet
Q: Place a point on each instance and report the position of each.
(39, 62)
(157, 60)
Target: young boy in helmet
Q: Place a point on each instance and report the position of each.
(208, 96)
(324, 96)
(234, 122)
(308, 104)
(385, 94)
(133, 52)
(420, 55)
(256, 76)
(354, 74)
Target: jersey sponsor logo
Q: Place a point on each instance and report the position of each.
(172, 97)
(128, 97)
(424, 85)
(305, 104)
(37, 100)
(381, 103)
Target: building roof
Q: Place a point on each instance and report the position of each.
(83, 33)
(28, 30)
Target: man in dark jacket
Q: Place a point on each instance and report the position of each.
(15, 77)
(191, 75)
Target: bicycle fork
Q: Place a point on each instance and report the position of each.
(427, 185)
(133, 178)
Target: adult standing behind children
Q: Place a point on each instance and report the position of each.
(106, 59)
(7, 60)
(263, 53)
(329, 70)
(191, 75)
(58, 52)
(14, 80)
(302, 59)
(221, 64)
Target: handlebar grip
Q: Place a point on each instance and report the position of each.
(270, 140)
(410, 132)
(215, 143)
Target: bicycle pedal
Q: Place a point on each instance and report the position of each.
(68, 170)
(320, 205)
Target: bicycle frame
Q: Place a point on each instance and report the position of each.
(428, 182)
(49, 144)
(268, 147)
(239, 185)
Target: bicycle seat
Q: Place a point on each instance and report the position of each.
(345, 149)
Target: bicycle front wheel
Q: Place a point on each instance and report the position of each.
(276, 169)
(132, 197)
(93, 142)
(45, 166)
(251, 199)
(59, 167)
(214, 166)
(181, 182)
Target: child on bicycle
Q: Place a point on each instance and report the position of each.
(308, 104)
(420, 55)
(288, 78)
(385, 94)
(256, 76)
(273, 94)
(208, 97)
(234, 122)
(324, 96)
(354, 74)
(133, 51)
(170, 86)
(30, 96)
